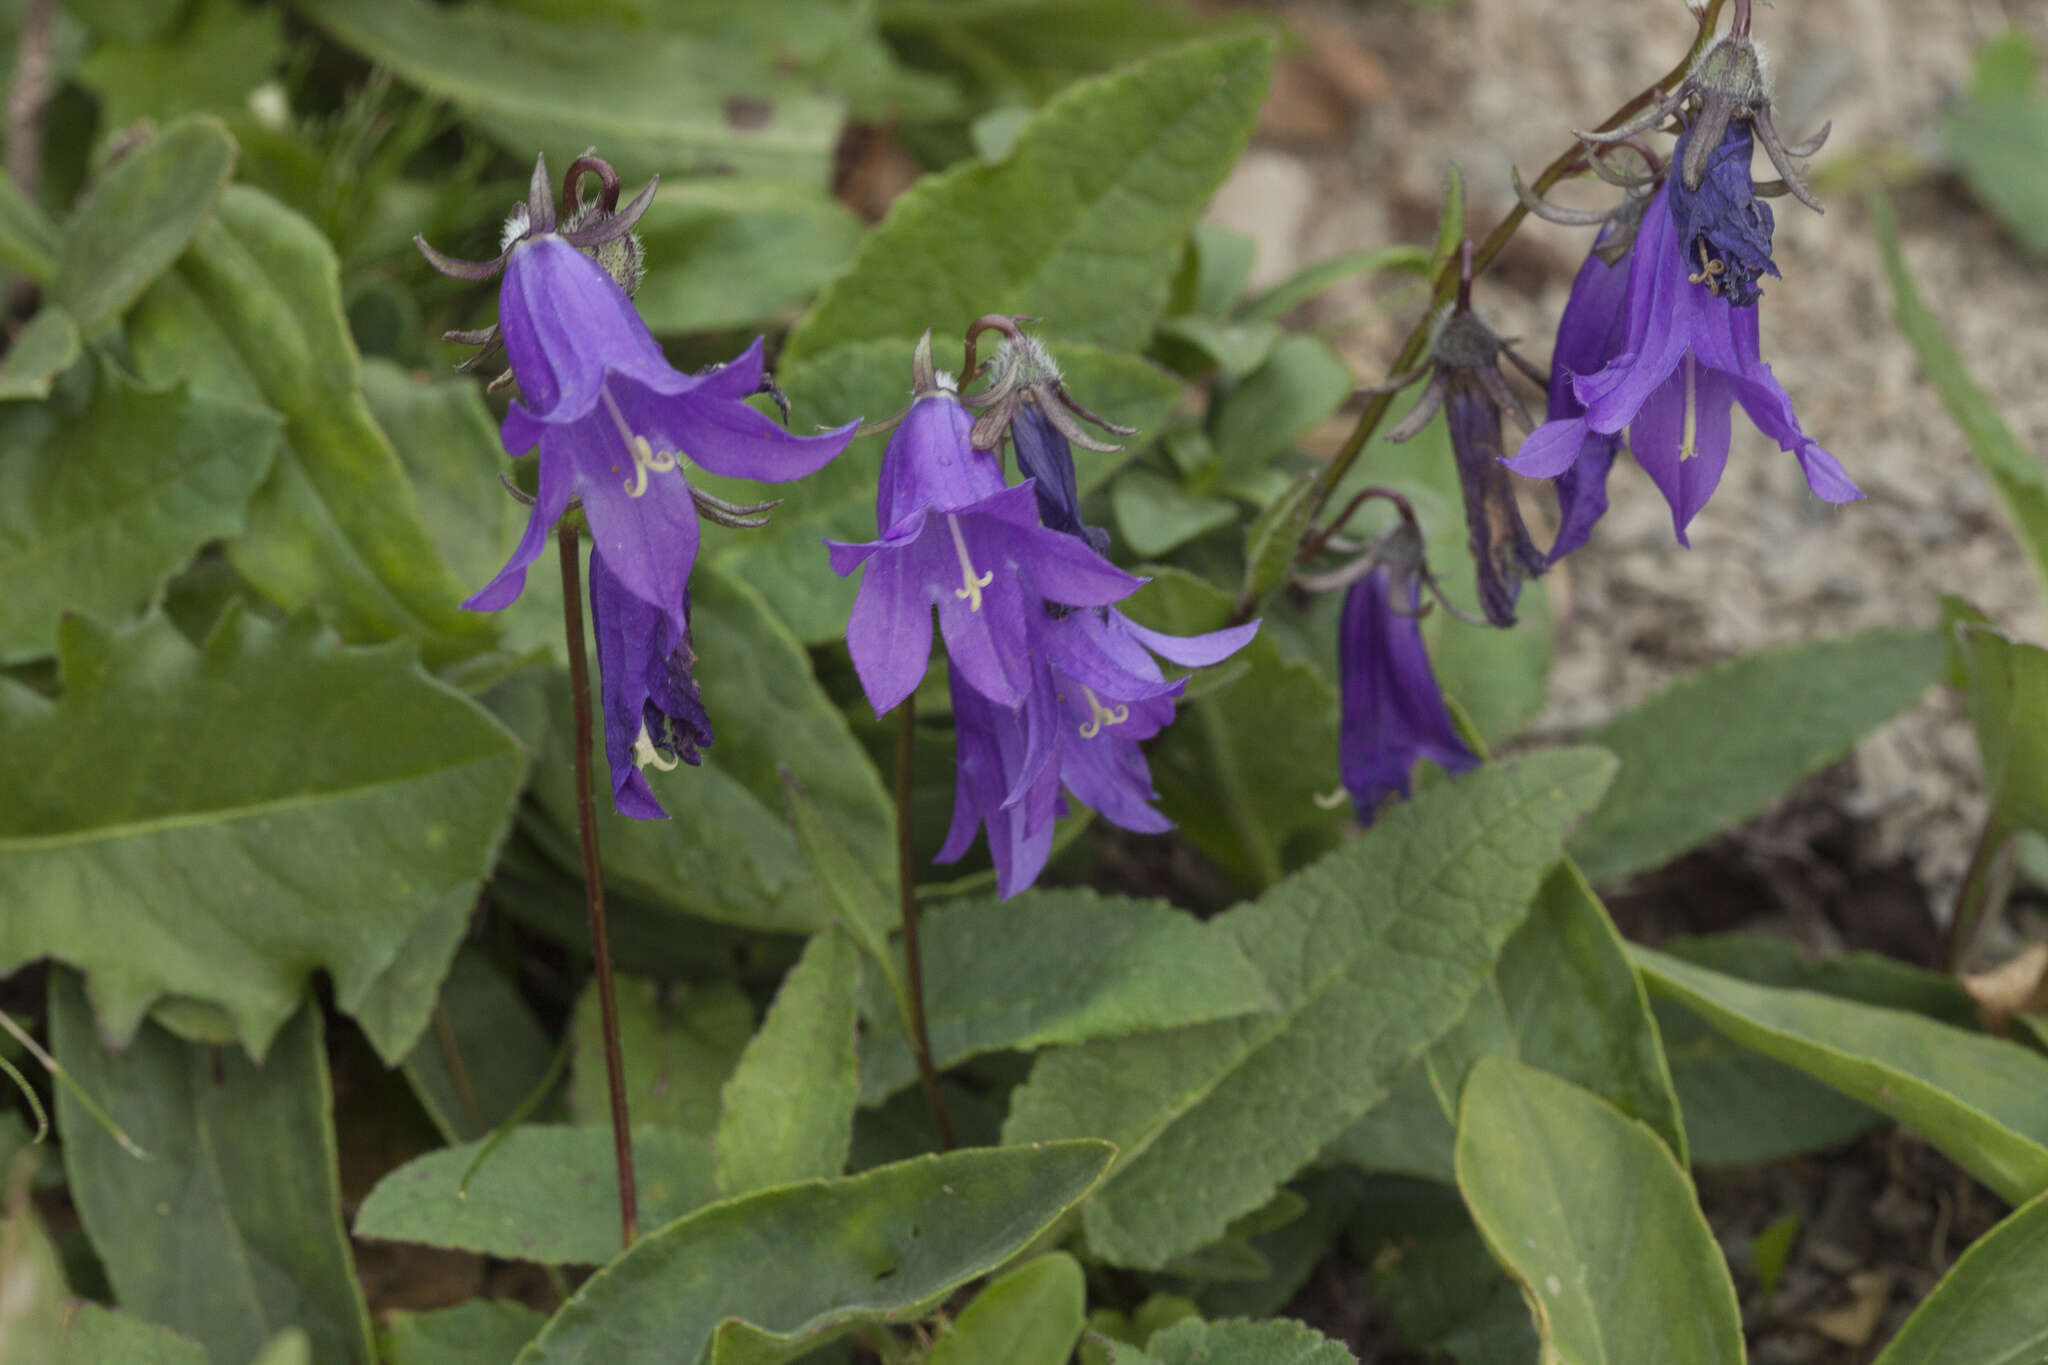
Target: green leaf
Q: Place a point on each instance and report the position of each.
(1245, 1343)
(1082, 224)
(28, 239)
(345, 812)
(1301, 383)
(1988, 1310)
(138, 218)
(1304, 284)
(253, 313)
(1742, 1108)
(98, 1336)
(231, 1229)
(1242, 767)
(1999, 136)
(1432, 1271)
(1595, 1219)
(1406, 1133)
(726, 854)
(1031, 1316)
(1982, 1101)
(2016, 472)
(1154, 514)
(46, 348)
(289, 1347)
(1776, 716)
(863, 909)
(728, 253)
(1217, 262)
(106, 494)
(657, 100)
(32, 1288)
(871, 379)
(679, 1048)
(1050, 967)
(1234, 349)
(788, 1108)
(220, 51)
(479, 1332)
(1564, 997)
(1270, 542)
(2008, 695)
(878, 1247)
(1372, 953)
(483, 1056)
(547, 1193)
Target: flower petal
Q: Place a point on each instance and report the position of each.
(556, 487)
(889, 632)
(1549, 450)
(726, 436)
(1658, 438)
(1190, 651)
(566, 324)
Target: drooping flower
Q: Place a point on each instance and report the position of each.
(990, 763)
(1689, 355)
(1393, 709)
(1466, 383)
(953, 538)
(1590, 332)
(614, 423)
(652, 712)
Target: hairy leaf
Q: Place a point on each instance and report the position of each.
(1371, 953)
(215, 823)
(678, 1046)
(1031, 1316)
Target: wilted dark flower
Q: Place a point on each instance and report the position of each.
(1393, 709)
(652, 712)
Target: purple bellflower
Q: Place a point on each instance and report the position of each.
(614, 422)
(1590, 332)
(652, 712)
(1393, 710)
(955, 539)
(1690, 352)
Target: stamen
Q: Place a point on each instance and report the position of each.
(1690, 433)
(1710, 270)
(646, 755)
(971, 593)
(645, 457)
(1102, 715)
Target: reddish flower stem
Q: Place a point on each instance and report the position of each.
(593, 882)
(913, 958)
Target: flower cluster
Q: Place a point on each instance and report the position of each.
(615, 424)
(1052, 687)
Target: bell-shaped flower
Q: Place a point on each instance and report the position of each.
(1590, 332)
(614, 422)
(984, 565)
(1393, 710)
(1690, 354)
(653, 715)
(991, 758)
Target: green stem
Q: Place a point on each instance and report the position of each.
(913, 959)
(593, 882)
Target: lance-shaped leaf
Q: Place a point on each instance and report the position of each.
(137, 219)
(1082, 223)
(230, 1230)
(1050, 967)
(253, 313)
(1776, 716)
(547, 1193)
(788, 1108)
(1596, 1221)
(479, 1332)
(1988, 1310)
(1982, 1101)
(658, 99)
(108, 491)
(878, 1247)
(1371, 953)
(1564, 997)
(1031, 1316)
(215, 823)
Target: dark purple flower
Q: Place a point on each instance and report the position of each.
(652, 713)
(1045, 457)
(986, 565)
(1688, 356)
(1502, 551)
(614, 422)
(1393, 710)
(1589, 334)
(1722, 226)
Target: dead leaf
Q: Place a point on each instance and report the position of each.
(2019, 986)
